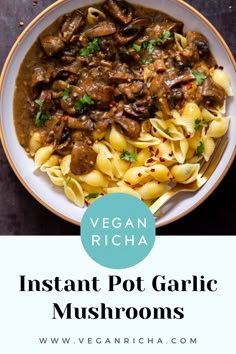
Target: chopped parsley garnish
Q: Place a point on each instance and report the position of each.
(200, 149)
(200, 77)
(92, 196)
(67, 182)
(153, 201)
(92, 47)
(146, 61)
(149, 45)
(66, 93)
(199, 122)
(128, 156)
(41, 116)
(167, 131)
(136, 47)
(165, 35)
(39, 103)
(83, 102)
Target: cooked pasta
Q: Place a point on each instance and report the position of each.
(122, 101)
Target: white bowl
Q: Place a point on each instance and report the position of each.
(38, 185)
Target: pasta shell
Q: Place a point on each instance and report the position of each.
(135, 175)
(74, 192)
(185, 173)
(181, 41)
(191, 112)
(145, 140)
(94, 16)
(102, 148)
(117, 140)
(94, 178)
(209, 146)
(159, 172)
(42, 155)
(218, 127)
(165, 152)
(65, 165)
(55, 175)
(222, 79)
(142, 156)
(35, 143)
(91, 189)
(152, 190)
(52, 161)
(119, 166)
(123, 189)
(104, 164)
(167, 129)
(180, 149)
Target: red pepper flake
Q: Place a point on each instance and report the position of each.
(157, 152)
(112, 104)
(189, 86)
(164, 140)
(21, 24)
(65, 118)
(102, 194)
(35, 3)
(171, 154)
(188, 136)
(214, 114)
(140, 174)
(150, 160)
(150, 148)
(171, 178)
(141, 109)
(17, 36)
(221, 67)
(152, 170)
(161, 159)
(158, 182)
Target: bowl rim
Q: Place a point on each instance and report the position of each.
(4, 145)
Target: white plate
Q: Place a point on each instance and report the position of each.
(39, 185)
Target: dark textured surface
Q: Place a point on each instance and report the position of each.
(20, 214)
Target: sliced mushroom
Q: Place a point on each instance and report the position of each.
(102, 29)
(83, 123)
(83, 158)
(59, 85)
(72, 25)
(120, 10)
(139, 112)
(174, 27)
(101, 94)
(46, 98)
(41, 75)
(68, 106)
(132, 31)
(213, 92)
(73, 68)
(197, 39)
(129, 127)
(179, 79)
(52, 45)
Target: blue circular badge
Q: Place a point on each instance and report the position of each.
(118, 231)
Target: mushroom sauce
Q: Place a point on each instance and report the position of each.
(113, 65)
